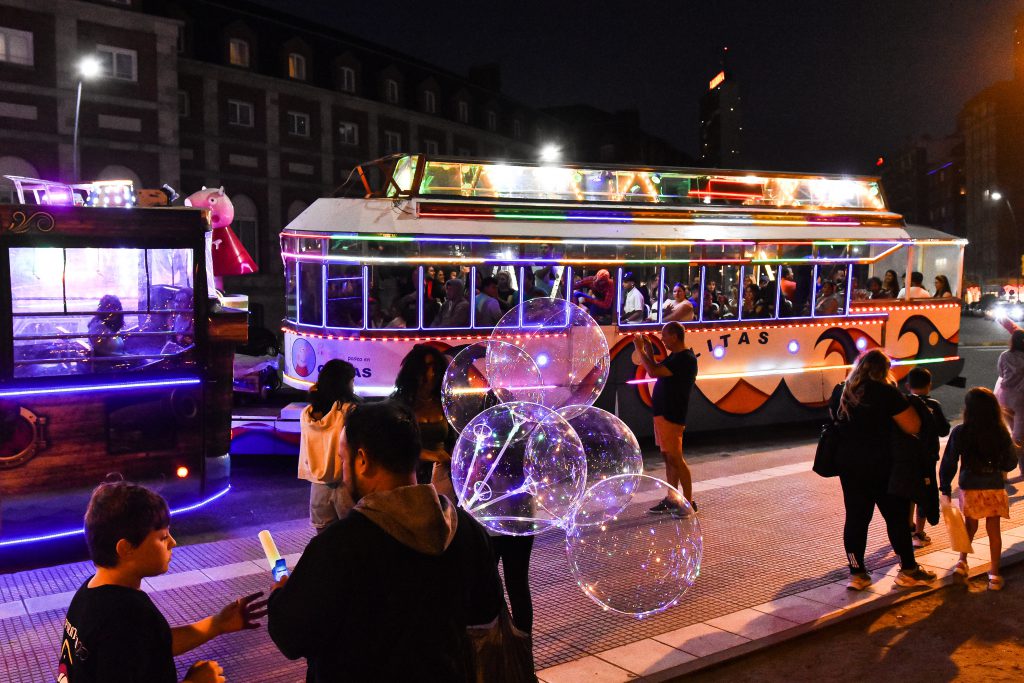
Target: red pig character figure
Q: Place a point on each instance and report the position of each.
(229, 255)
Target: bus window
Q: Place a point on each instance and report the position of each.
(681, 294)
(495, 293)
(940, 265)
(345, 296)
(291, 301)
(721, 292)
(311, 293)
(594, 288)
(452, 300)
(831, 290)
(633, 306)
(77, 311)
(393, 297)
(796, 284)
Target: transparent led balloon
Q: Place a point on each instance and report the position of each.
(567, 345)
(471, 384)
(609, 444)
(519, 468)
(626, 558)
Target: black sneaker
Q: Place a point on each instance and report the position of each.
(663, 508)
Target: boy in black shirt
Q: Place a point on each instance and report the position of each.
(113, 632)
(919, 382)
(675, 377)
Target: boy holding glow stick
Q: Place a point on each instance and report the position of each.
(113, 633)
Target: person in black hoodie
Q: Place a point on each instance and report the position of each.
(919, 382)
(386, 594)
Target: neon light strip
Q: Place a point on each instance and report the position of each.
(511, 240)
(484, 390)
(122, 386)
(462, 260)
(723, 220)
(796, 371)
(76, 532)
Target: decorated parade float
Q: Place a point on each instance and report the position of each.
(364, 278)
(115, 353)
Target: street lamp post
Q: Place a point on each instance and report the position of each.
(88, 68)
(996, 195)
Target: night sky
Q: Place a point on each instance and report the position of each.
(826, 85)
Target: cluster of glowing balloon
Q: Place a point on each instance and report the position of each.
(535, 454)
(627, 559)
(566, 344)
(518, 468)
(609, 443)
(472, 382)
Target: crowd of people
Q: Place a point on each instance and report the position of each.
(396, 560)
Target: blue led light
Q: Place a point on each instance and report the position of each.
(862, 343)
(719, 352)
(75, 532)
(83, 388)
(793, 346)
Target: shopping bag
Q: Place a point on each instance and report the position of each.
(501, 653)
(955, 525)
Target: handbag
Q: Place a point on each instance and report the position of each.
(500, 652)
(826, 455)
(960, 542)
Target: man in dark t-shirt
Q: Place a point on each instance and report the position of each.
(675, 377)
(113, 633)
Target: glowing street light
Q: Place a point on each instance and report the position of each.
(88, 68)
(996, 196)
(550, 152)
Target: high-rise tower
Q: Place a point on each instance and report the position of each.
(720, 125)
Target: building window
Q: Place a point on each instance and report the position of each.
(296, 66)
(429, 102)
(238, 52)
(16, 47)
(348, 133)
(392, 142)
(464, 152)
(348, 79)
(517, 129)
(240, 113)
(118, 62)
(184, 108)
(392, 91)
(298, 124)
(464, 111)
(430, 147)
(492, 120)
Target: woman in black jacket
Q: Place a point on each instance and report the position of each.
(872, 407)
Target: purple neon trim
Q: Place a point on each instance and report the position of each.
(76, 532)
(121, 386)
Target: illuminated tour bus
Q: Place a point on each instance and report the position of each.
(113, 358)
(771, 274)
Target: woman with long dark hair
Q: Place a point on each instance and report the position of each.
(418, 386)
(890, 286)
(321, 423)
(872, 408)
(982, 449)
(1010, 390)
(942, 289)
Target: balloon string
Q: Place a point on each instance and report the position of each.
(501, 454)
(507, 494)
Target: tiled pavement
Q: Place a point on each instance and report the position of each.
(772, 559)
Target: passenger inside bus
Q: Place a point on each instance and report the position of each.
(105, 326)
(530, 288)
(828, 299)
(597, 294)
(488, 307)
(634, 309)
(455, 310)
(679, 308)
(507, 295)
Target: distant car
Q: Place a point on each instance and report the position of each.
(1006, 309)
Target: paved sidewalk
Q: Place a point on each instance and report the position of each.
(773, 567)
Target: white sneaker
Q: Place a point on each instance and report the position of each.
(859, 581)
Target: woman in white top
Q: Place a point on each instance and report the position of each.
(1010, 390)
(321, 423)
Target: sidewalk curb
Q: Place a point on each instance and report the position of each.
(1011, 555)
